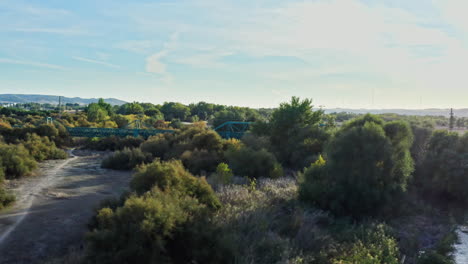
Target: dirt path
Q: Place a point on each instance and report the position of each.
(52, 210)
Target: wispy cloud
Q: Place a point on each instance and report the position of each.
(40, 11)
(154, 63)
(32, 9)
(136, 46)
(60, 31)
(32, 63)
(96, 62)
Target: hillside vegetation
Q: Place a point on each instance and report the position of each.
(301, 186)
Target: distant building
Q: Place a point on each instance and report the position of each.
(7, 104)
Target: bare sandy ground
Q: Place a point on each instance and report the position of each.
(52, 209)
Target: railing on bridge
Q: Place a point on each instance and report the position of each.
(233, 129)
(119, 132)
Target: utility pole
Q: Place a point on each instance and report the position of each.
(452, 119)
(60, 107)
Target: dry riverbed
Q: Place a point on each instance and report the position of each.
(53, 208)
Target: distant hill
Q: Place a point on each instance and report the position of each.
(419, 112)
(52, 99)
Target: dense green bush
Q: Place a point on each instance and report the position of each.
(113, 143)
(5, 198)
(200, 161)
(167, 223)
(16, 160)
(156, 145)
(222, 176)
(253, 163)
(368, 167)
(422, 134)
(172, 176)
(294, 133)
(199, 148)
(444, 173)
(141, 230)
(126, 159)
(41, 148)
(373, 246)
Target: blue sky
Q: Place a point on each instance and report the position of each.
(340, 53)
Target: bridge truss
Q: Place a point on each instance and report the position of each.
(233, 129)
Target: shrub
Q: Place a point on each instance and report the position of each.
(156, 227)
(176, 124)
(126, 159)
(16, 160)
(200, 161)
(222, 176)
(156, 145)
(294, 133)
(172, 176)
(208, 139)
(367, 168)
(374, 246)
(433, 257)
(256, 142)
(443, 172)
(41, 148)
(200, 149)
(113, 143)
(253, 163)
(267, 225)
(5, 198)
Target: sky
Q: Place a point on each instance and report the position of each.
(257, 53)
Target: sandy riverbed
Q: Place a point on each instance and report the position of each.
(53, 208)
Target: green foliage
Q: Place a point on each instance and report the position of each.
(433, 257)
(373, 246)
(121, 121)
(165, 222)
(173, 110)
(172, 175)
(41, 148)
(367, 168)
(5, 198)
(294, 133)
(444, 172)
(113, 143)
(422, 134)
(16, 160)
(200, 161)
(96, 113)
(143, 229)
(156, 145)
(199, 148)
(175, 123)
(246, 161)
(442, 253)
(154, 113)
(131, 109)
(234, 113)
(223, 174)
(126, 159)
(209, 139)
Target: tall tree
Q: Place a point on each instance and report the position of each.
(294, 132)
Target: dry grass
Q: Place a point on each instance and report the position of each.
(267, 225)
